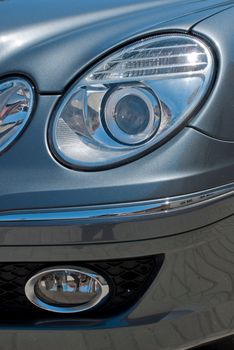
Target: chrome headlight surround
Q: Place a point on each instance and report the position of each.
(168, 74)
(17, 100)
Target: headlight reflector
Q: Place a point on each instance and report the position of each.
(16, 103)
(132, 115)
(131, 101)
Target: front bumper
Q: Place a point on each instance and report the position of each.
(190, 301)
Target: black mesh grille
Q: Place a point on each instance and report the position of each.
(128, 280)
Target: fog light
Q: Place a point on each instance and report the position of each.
(66, 289)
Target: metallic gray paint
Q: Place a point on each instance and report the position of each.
(115, 213)
(190, 302)
(160, 174)
(78, 32)
(192, 299)
(217, 117)
(108, 231)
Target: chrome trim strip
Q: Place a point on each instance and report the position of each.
(121, 211)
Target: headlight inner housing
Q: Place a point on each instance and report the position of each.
(17, 100)
(131, 101)
(131, 114)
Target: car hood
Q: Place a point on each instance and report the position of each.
(52, 41)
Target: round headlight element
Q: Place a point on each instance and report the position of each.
(132, 115)
(132, 101)
(66, 289)
(16, 104)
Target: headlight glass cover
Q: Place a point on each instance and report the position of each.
(16, 103)
(131, 101)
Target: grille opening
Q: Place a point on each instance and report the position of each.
(128, 280)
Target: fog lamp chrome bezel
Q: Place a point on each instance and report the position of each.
(34, 299)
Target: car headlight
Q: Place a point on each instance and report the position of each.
(131, 101)
(16, 103)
